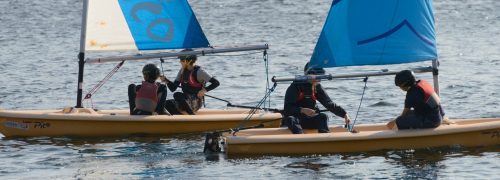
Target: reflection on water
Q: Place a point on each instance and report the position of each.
(177, 157)
(309, 164)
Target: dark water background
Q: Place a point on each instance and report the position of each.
(39, 41)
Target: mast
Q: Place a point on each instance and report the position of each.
(435, 73)
(81, 55)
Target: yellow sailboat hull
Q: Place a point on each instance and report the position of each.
(89, 123)
(371, 137)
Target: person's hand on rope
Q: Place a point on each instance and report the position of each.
(164, 79)
(347, 119)
(202, 92)
(308, 111)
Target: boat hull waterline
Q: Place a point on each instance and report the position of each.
(89, 123)
(279, 141)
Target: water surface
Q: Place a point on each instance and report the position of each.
(38, 66)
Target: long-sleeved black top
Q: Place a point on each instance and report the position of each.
(293, 103)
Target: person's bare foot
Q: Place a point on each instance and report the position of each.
(447, 121)
(391, 125)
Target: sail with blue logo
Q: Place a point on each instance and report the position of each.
(376, 32)
(138, 25)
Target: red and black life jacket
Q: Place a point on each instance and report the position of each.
(306, 98)
(146, 98)
(430, 96)
(189, 81)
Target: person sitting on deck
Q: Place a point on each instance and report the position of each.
(192, 79)
(300, 109)
(150, 96)
(422, 107)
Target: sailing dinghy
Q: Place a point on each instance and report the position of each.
(133, 26)
(359, 32)
(371, 137)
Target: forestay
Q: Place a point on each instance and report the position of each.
(361, 32)
(125, 25)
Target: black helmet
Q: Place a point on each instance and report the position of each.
(151, 72)
(313, 71)
(404, 77)
(191, 58)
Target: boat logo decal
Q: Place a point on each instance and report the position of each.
(493, 134)
(17, 125)
(41, 125)
(25, 125)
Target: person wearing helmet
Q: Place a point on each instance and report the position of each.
(422, 107)
(192, 79)
(150, 96)
(300, 108)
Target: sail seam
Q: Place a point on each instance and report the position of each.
(395, 29)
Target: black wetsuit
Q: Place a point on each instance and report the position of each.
(299, 95)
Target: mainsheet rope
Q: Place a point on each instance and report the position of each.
(263, 100)
(254, 110)
(351, 127)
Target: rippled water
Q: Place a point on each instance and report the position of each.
(38, 69)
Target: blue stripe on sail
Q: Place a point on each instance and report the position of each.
(360, 32)
(391, 31)
(160, 24)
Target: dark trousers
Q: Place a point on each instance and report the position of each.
(171, 107)
(413, 121)
(297, 123)
(160, 107)
(184, 102)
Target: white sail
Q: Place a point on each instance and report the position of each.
(107, 29)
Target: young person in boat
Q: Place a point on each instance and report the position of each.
(301, 111)
(149, 97)
(192, 79)
(422, 107)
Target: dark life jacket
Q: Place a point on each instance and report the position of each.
(189, 81)
(431, 99)
(146, 98)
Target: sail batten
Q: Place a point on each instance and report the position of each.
(360, 32)
(125, 25)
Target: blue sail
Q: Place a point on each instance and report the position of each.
(376, 32)
(162, 24)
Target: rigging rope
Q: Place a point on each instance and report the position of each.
(266, 64)
(263, 100)
(101, 83)
(254, 110)
(351, 127)
(161, 65)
